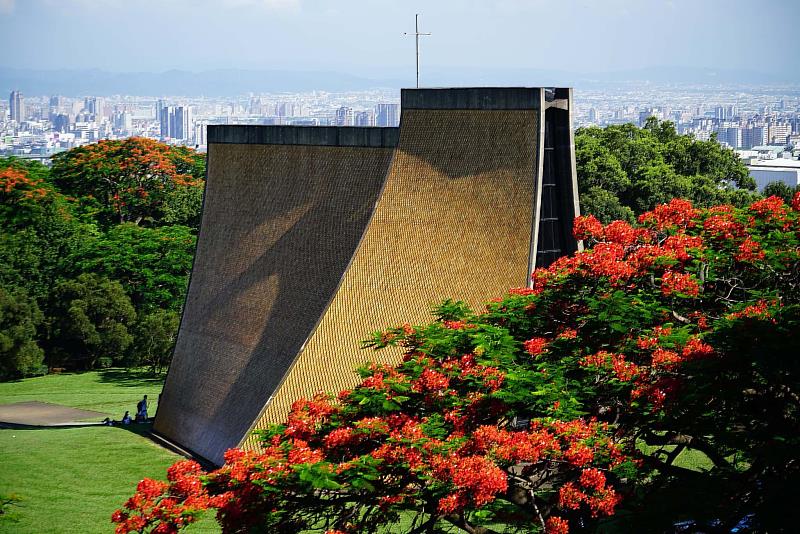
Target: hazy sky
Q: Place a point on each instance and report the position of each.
(366, 36)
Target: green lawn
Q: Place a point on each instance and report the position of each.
(72, 479)
(110, 391)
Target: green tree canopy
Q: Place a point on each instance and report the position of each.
(152, 264)
(153, 339)
(38, 228)
(640, 168)
(780, 190)
(20, 355)
(89, 322)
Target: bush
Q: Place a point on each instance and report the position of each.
(559, 407)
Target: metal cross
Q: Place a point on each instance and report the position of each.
(416, 35)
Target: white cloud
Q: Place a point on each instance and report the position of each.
(6, 6)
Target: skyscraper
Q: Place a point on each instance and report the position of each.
(94, 105)
(387, 115)
(176, 122)
(183, 123)
(17, 106)
(344, 117)
(165, 118)
(364, 118)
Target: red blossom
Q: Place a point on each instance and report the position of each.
(592, 479)
(665, 358)
(723, 226)
(587, 226)
(750, 250)
(620, 232)
(759, 310)
(677, 213)
(535, 346)
(556, 525)
(770, 209)
(680, 283)
(678, 243)
(695, 349)
(579, 454)
(570, 497)
(430, 381)
(568, 333)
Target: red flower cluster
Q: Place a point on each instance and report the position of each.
(623, 370)
(164, 507)
(750, 250)
(535, 346)
(770, 209)
(587, 226)
(760, 310)
(474, 479)
(556, 525)
(678, 213)
(679, 283)
(430, 381)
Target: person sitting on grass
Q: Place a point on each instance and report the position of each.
(126, 419)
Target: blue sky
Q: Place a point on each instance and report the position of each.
(365, 36)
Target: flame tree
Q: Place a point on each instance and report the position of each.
(133, 180)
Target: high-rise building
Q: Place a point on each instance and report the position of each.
(159, 105)
(344, 117)
(17, 106)
(166, 116)
(387, 115)
(593, 115)
(287, 109)
(123, 121)
(650, 112)
(364, 118)
(177, 122)
(61, 123)
(754, 136)
(200, 129)
(95, 106)
(183, 123)
(730, 135)
(779, 132)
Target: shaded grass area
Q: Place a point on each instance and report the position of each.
(110, 391)
(70, 480)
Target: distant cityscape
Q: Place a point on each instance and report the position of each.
(761, 123)
(40, 126)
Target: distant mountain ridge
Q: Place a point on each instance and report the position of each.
(220, 82)
(231, 82)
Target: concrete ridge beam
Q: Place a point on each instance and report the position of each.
(353, 136)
